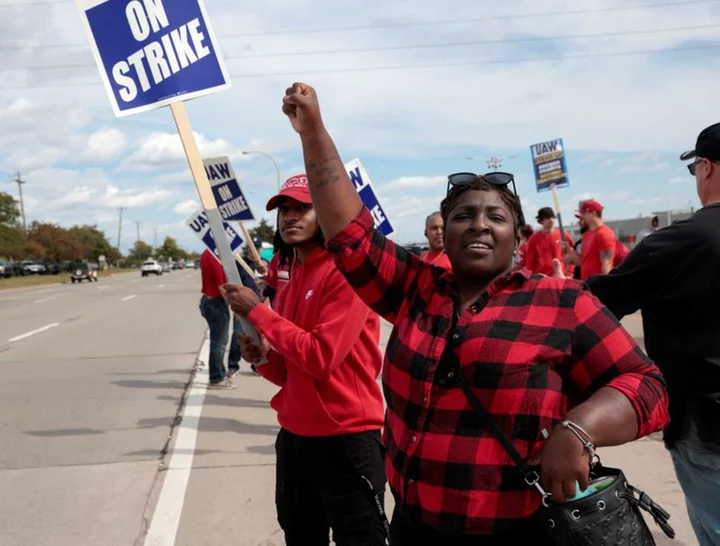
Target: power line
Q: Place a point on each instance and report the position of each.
(409, 67)
(400, 24)
(409, 47)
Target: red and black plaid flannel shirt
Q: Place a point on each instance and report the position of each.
(531, 348)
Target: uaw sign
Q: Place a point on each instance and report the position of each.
(153, 52)
(230, 199)
(198, 223)
(364, 186)
(549, 164)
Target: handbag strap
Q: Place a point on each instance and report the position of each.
(532, 478)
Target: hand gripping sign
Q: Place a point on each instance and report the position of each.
(154, 53)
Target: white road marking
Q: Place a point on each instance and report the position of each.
(45, 299)
(28, 334)
(166, 519)
(127, 298)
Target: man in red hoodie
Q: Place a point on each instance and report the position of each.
(321, 345)
(544, 246)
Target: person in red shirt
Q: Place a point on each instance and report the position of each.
(434, 229)
(599, 243)
(544, 246)
(534, 351)
(321, 344)
(526, 232)
(214, 310)
(621, 252)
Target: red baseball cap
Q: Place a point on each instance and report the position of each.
(295, 188)
(591, 206)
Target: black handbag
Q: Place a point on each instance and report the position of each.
(609, 517)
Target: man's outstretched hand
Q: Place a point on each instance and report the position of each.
(300, 104)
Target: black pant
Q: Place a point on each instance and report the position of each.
(319, 488)
(405, 533)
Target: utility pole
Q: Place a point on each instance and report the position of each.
(138, 232)
(121, 209)
(19, 181)
(155, 245)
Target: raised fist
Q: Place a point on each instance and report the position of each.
(300, 104)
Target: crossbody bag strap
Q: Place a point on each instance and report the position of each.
(531, 476)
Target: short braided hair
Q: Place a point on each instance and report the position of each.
(508, 197)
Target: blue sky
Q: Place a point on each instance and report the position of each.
(624, 118)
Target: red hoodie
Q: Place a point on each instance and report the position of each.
(326, 357)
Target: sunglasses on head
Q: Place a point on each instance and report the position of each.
(499, 179)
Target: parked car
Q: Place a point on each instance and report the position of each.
(6, 269)
(165, 267)
(18, 269)
(176, 266)
(83, 272)
(54, 269)
(34, 267)
(151, 267)
(197, 264)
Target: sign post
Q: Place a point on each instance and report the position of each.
(154, 53)
(551, 172)
(364, 186)
(231, 200)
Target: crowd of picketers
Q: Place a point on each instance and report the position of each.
(492, 337)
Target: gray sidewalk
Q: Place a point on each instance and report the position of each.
(230, 495)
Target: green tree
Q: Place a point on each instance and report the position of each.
(263, 231)
(170, 250)
(9, 212)
(140, 252)
(60, 244)
(12, 240)
(96, 243)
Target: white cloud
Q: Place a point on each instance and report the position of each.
(136, 198)
(104, 145)
(187, 207)
(161, 149)
(679, 180)
(415, 183)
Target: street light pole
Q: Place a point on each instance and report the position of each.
(277, 169)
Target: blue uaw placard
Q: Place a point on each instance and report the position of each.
(229, 196)
(198, 223)
(153, 52)
(550, 165)
(364, 186)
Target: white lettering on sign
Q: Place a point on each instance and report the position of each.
(378, 215)
(225, 193)
(232, 208)
(161, 58)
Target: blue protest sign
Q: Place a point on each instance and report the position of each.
(549, 164)
(229, 197)
(364, 186)
(198, 223)
(153, 52)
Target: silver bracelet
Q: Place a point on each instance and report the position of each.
(585, 438)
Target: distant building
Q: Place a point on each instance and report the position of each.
(627, 230)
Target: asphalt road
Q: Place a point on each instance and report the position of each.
(92, 378)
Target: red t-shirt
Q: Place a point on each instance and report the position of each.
(212, 274)
(439, 259)
(621, 252)
(594, 242)
(541, 249)
(326, 357)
